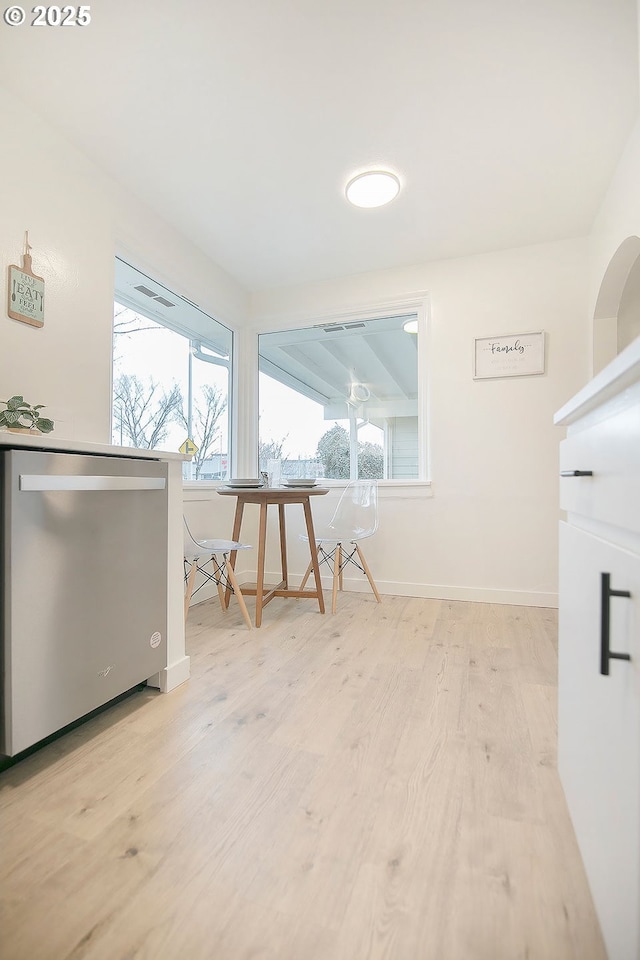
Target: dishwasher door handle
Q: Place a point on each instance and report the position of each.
(35, 482)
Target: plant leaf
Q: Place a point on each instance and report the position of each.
(42, 423)
(14, 402)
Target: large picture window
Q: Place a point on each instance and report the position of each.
(340, 400)
(171, 375)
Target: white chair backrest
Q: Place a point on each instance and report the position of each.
(191, 546)
(356, 515)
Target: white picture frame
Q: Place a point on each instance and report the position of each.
(511, 355)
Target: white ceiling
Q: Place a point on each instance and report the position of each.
(242, 121)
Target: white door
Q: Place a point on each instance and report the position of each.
(599, 729)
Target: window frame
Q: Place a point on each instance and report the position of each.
(195, 339)
(415, 305)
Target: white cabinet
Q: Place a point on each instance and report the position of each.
(599, 695)
(599, 729)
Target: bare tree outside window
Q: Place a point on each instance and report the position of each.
(172, 367)
(270, 450)
(142, 412)
(205, 429)
(126, 321)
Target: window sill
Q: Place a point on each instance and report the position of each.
(200, 489)
(387, 489)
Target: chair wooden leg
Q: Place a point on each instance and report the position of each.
(237, 524)
(217, 570)
(189, 587)
(236, 589)
(365, 567)
(337, 557)
(306, 576)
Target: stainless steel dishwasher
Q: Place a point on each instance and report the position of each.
(84, 586)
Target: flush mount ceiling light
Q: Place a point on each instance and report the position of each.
(359, 393)
(410, 326)
(372, 189)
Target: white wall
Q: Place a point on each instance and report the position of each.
(489, 530)
(78, 218)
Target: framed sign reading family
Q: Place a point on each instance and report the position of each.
(518, 355)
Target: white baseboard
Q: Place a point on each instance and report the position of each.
(429, 591)
(437, 591)
(172, 676)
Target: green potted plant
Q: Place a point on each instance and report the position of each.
(21, 417)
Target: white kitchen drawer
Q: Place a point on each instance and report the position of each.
(610, 449)
(599, 729)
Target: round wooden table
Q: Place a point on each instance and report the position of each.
(280, 496)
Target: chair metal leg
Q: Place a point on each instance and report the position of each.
(217, 570)
(236, 589)
(365, 567)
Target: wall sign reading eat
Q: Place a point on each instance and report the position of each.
(26, 292)
(518, 355)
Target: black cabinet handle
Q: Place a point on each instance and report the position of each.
(605, 653)
(576, 473)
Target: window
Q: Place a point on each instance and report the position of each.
(340, 400)
(171, 374)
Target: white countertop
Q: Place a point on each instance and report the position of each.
(621, 373)
(51, 442)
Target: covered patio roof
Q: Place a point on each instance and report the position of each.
(356, 365)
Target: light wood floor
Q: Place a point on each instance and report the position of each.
(376, 784)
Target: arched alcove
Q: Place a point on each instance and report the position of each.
(629, 312)
(616, 319)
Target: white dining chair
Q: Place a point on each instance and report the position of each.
(210, 558)
(338, 542)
